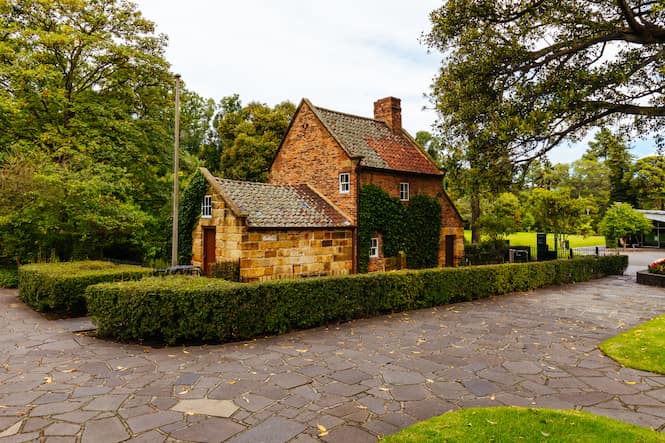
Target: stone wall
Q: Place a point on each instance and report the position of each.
(266, 254)
(229, 231)
(451, 223)
(309, 154)
(275, 254)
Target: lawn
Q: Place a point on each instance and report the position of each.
(512, 424)
(641, 347)
(529, 239)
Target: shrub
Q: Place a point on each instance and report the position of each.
(657, 267)
(180, 309)
(8, 278)
(227, 270)
(60, 287)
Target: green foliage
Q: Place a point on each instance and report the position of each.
(618, 160)
(414, 229)
(227, 270)
(181, 309)
(487, 251)
(422, 231)
(85, 149)
(8, 278)
(379, 212)
(649, 182)
(503, 217)
(621, 221)
(249, 137)
(556, 211)
(189, 212)
(60, 287)
(79, 211)
(522, 94)
(512, 423)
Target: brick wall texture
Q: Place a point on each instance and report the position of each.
(309, 154)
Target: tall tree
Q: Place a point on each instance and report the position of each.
(554, 69)
(649, 182)
(615, 152)
(249, 137)
(84, 99)
(621, 221)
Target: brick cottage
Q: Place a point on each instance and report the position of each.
(304, 221)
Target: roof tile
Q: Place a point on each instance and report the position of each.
(379, 146)
(274, 206)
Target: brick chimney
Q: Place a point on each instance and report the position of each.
(389, 110)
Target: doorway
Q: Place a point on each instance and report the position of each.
(209, 240)
(450, 251)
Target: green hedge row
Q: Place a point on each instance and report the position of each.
(8, 278)
(182, 309)
(60, 287)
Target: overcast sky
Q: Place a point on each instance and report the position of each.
(342, 55)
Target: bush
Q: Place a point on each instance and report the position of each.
(487, 252)
(8, 278)
(227, 270)
(181, 309)
(60, 287)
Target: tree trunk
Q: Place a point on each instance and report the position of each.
(475, 218)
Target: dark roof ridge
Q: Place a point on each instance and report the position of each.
(351, 115)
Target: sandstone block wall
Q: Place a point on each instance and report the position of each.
(275, 254)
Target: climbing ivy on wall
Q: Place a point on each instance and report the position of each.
(188, 214)
(379, 212)
(414, 228)
(423, 229)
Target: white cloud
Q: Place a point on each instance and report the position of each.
(342, 55)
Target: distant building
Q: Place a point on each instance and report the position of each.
(656, 238)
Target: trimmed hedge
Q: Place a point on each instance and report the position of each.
(60, 287)
(181, 309)
(8, 278)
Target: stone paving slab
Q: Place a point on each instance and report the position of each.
(358, 380)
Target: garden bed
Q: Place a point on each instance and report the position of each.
(650, 279)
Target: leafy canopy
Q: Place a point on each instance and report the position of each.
(621, 221)
(521, 76)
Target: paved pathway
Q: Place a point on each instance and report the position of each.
(348, 383)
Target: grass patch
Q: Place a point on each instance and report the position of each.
(8, 278)
(529, 239)
(641, 347)
(512, 424)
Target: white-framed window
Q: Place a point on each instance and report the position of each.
(206, 207)
(404, 191)
(344, 183)
(374, 247)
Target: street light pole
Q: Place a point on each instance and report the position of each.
(176, 167)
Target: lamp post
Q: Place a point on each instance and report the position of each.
(176, 167)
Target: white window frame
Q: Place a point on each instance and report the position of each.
(404, 191)
(206, 207)
(344, 183)
(374, 247)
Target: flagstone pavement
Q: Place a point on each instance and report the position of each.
(351, 382)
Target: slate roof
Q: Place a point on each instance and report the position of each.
(276, 206)
(375, 141)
